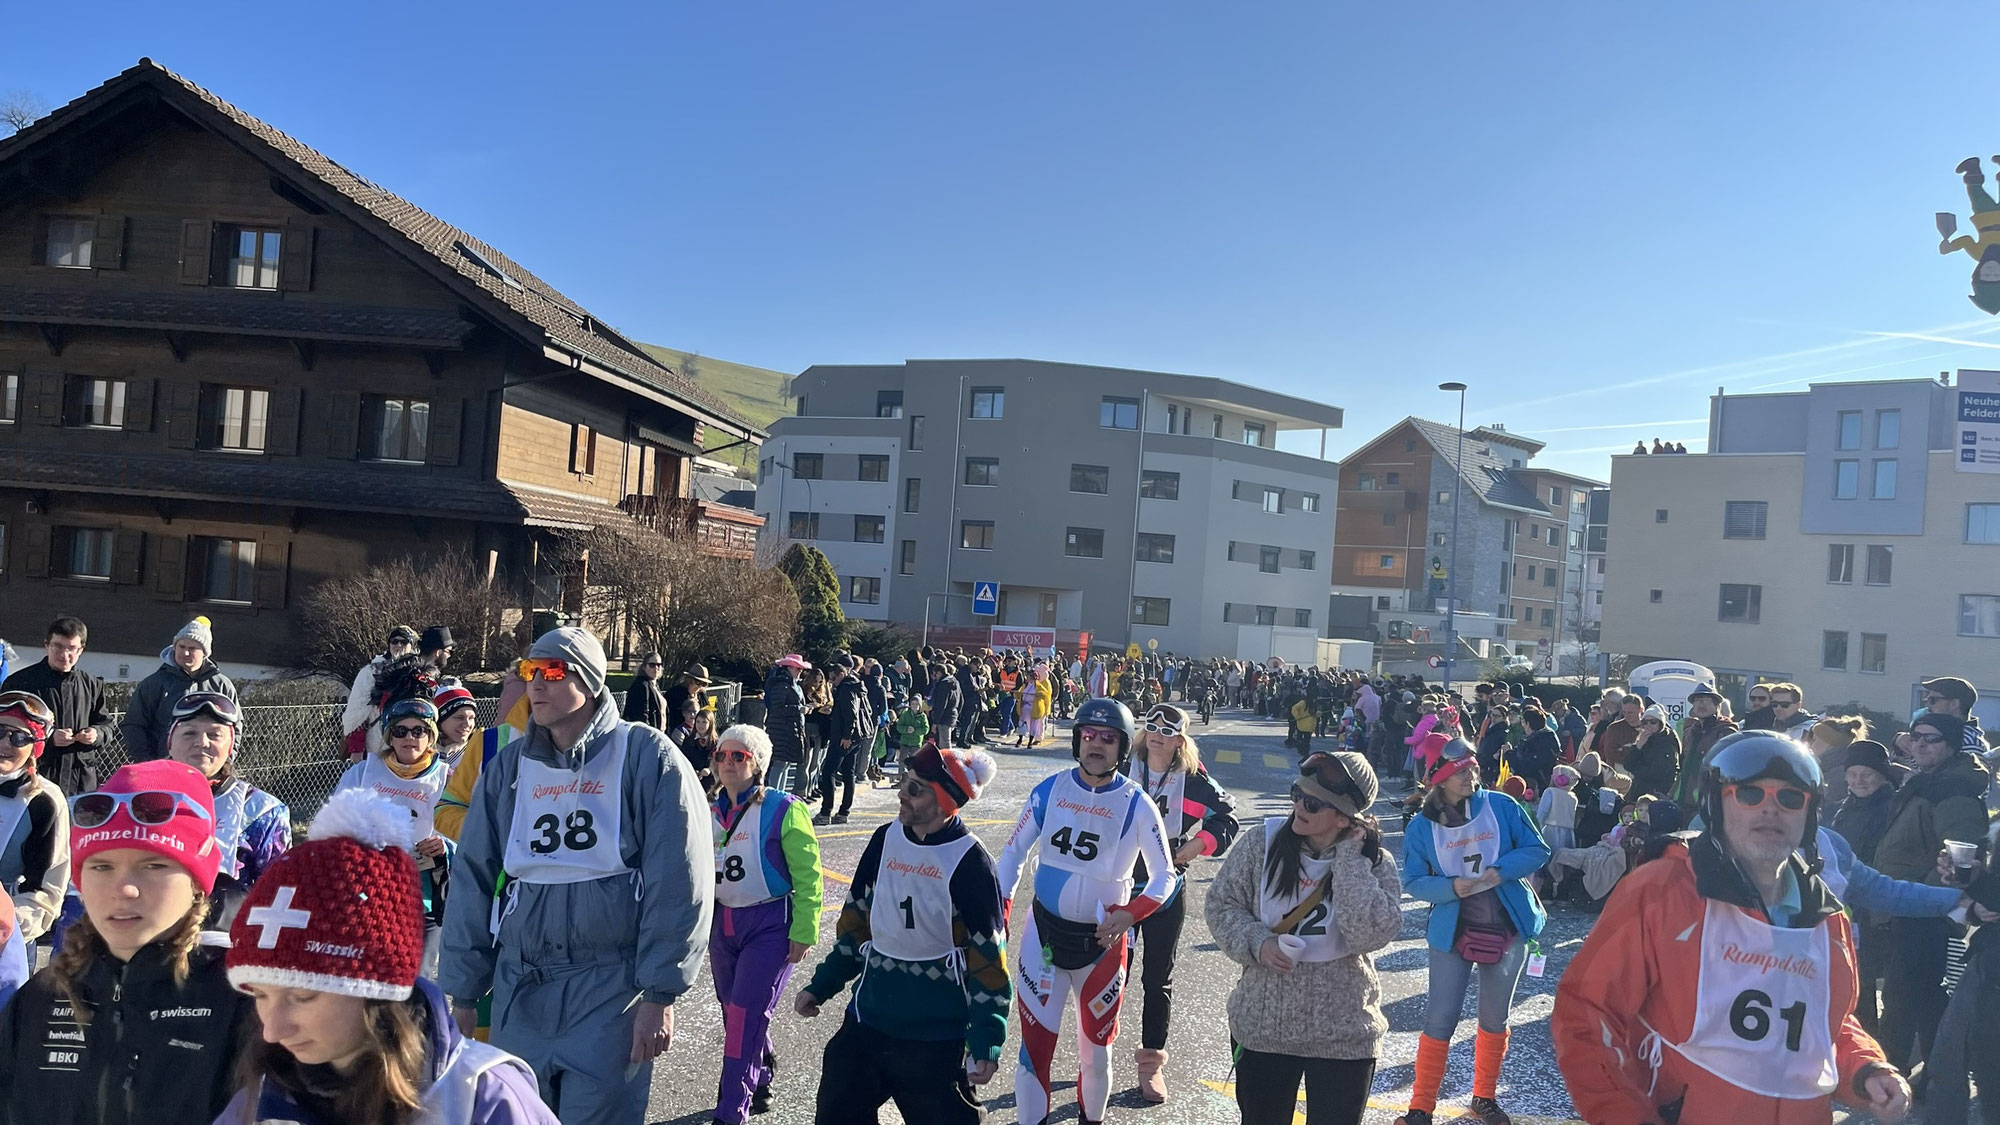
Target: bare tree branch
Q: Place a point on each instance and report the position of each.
(20, 109)
(686, 605)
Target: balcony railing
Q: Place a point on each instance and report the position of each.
(719, 529)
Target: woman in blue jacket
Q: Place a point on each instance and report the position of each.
(1469, 854)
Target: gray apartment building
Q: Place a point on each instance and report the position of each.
(1135, 506)
(1828, 537)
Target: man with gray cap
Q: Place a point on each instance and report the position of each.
(186, 666)
(584, 888)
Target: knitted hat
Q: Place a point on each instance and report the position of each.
(751, 738)
(403, 634)
(1589, 766)
(576, 648)
(1654, 712)
(436, 638)
(1342, 779)
(1875, 756)
(956, 776)
(187, 837)
(451, 699)
(200, 633)
(338, 913)
(1515, 787)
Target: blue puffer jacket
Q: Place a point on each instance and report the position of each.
(1522, 853)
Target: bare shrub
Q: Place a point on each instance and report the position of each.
(346, 619)
(670, 597)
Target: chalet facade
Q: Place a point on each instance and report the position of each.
(230, 367)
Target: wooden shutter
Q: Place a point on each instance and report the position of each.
(343, 427)
(46, 387)
(197, 240)
(183, 415)
(39, 536)
(128, 550)
(107, 247)
(295, 256)
(139, 405)
(281, 427)
(170, 567)
(273, 565)
(447, 422)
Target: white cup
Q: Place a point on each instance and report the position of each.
(1292, 945)
(1963, 856)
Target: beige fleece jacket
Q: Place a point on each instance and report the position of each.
(1321, 1010)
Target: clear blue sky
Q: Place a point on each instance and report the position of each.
(1593, 213)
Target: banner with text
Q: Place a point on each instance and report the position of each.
(1976, 437)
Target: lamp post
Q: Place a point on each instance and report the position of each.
(1451, 575)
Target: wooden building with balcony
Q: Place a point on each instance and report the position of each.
(230, 367)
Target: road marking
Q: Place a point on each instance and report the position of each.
(1228, 757)
(1228, 1089)
(1277, 761)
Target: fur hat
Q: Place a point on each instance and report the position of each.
(339, 913)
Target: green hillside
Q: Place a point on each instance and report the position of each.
(757, 393)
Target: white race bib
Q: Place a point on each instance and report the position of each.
(1081, 829)
(1471, 848)
(566, 822)
(1168, 793)
(910, 918)
(1761, 1006)
(740, 879)
(418, 794)
(1316, 929)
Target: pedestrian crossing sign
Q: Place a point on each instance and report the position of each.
(986, 598)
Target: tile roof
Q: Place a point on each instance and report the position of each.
(254, 316)
(1484, 471)
(566, 324)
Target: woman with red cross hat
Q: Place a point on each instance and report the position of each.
(134, 1021)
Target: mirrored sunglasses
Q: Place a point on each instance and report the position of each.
(150, 807)
(549, 668)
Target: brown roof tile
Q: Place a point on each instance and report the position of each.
(253, 316)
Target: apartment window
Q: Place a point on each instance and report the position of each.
(1846, 480)
(1274, 499)
(1548, 576)
(1979, 615)
(1833, 650)
(1410, 446)
(1576, 540)
(1742, 603)
(95, 403)
(1307, 559)
(808, 466)
(1365, 482)
(1597, 597)
(1743, 519)
(906, 563)
(86, 552)
(1118, 414)
(1982, 523)
(916, 441)
(1600, 566)
(802, 525)
(913, 488)
(888, 404)
(975, 535)
(1840, 563)
(1535, 532)
(226, 569)
(1580, 500)
(1659, 515)
(1308, 501)
(982, 471)
(867, 529)
(1847, 429)
(253, 257)
(1548, 618)
(1253, 433)
(1655, 596)
(1875, 652)
(1150, 611)
(1382, 603)
(1527, 615)
(1392, 479)
(1888, 429)
(1531, 572)
(1385, 562)
(1880, 560)
(10, 398)
(1885, 479)
(1388, 519)
(70, 243)
(988, 402)
(397, 429)
(1437, 538)
(801, 410)
(1155, 548)
(1094, 479)
(582, 449)
(1444, 496)
(864, 591)
(1084, 543)
(1155, 484)
(1215, 427)
(1173, 417)
(234, 417)
(1267, 560)
(1555, 497)
(874, 467)
(1302, 618)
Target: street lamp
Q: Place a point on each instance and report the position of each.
(1451, 575)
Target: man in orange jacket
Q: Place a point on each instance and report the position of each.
(1719, 985)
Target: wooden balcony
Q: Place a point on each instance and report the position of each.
(719, 529)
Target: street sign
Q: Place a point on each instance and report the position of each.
(1152, 644)
(986, 599)
(1132, 651)
(1434, 660)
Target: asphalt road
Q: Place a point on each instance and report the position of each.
(1247, 756)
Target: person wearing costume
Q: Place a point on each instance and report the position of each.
(34, 818)
(253, 827)
(410, 772)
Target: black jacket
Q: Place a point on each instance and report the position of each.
(644, 704)
(946, 699)
(784, 715)
(152, 1052)
(852, 721)
(1654, 764)
(77, 698)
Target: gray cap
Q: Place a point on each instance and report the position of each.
(579, 650)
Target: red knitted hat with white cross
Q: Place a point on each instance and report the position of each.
(339, 913)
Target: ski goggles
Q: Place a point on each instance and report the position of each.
(29, 708)
(18, 738)
(549, 668)
(150, 807)
(1751, 795)
(928, 764)
(1167, 720)
(214, 703)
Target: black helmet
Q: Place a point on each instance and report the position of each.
(1753, 755)
(1104, 713)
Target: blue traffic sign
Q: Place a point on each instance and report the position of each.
(986, 599)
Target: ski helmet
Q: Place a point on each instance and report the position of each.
(1755, 755)
(1103, 713)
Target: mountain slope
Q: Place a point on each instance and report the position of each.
(759, 394)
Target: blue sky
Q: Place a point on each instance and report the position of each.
(1594, 214)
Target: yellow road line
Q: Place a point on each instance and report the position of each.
(1228, 757)
(1277, 761)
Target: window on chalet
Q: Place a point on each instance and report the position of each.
(250, 257)
(395, 429)
(85, 552)
(10, 398)
(226, 569)
(94, 403)
(70, 242)
(234, 418)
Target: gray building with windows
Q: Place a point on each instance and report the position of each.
(1132, 505)
(1826, 538)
